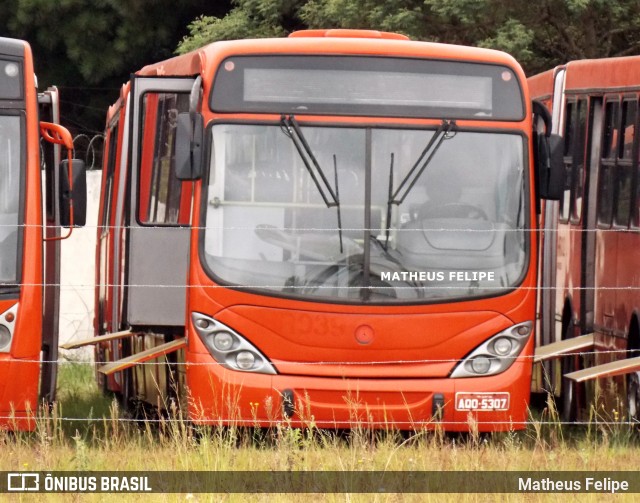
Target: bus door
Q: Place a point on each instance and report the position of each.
(159, 205)
(590, 215)
(49, 111)
(550, 229)
(549, 223)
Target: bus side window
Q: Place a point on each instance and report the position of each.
(161, 197)
(110, 167)
(624, 166)
(569, 131)
(635, 200)
(607, 164)
(577, 173)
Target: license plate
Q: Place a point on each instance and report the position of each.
(482, 401)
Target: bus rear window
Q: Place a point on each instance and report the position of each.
(375, 86)
(10, 80)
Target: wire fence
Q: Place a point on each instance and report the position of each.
(90, 149)
(414, 424)
(338, 363)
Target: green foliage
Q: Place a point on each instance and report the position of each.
(401, 16)
(89, 47)
(99, 38)
(516, 39)
(247, 19)
(539, 34)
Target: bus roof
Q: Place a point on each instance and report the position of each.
(603, 74)
(317, 41)
(541, 85)
(13, 47)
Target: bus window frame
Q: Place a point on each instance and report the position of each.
(634, 220)
(364, 124)
(570, 106)
(184, 185)
(112, 142)
(606, 163)
(625, 165)
(580, 143)
(521, 87)
(9, 291)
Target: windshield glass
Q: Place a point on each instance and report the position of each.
(421, 215)
(9, 197)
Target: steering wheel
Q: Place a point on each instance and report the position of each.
(354, 279)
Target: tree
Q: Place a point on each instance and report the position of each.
(89, 47)
(539, 34)
(247, 19)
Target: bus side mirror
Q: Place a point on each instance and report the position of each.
(550, 166)
(78, 194)
(189, 146)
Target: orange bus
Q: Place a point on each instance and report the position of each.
(591, 304)
(328, 229)
(29, 256)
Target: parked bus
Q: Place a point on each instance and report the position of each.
(327, 229)
(29, 246)
(591, 300)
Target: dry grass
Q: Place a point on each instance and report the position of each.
(107, 443)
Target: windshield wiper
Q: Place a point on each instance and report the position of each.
(290, 128)
(432, 147)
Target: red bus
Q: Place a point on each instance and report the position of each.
(591, 304)
(29, 256)
(327, 229)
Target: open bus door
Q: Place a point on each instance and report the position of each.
(152, 218)
(148, 290)
(156, 275)
(51, 156)
(64, 206)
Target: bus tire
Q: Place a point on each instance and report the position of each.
(633, 379)
(633, 396)
(569, 390)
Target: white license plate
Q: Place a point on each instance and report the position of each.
(482, 401)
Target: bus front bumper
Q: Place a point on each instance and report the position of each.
(224, 397)
(18, 393)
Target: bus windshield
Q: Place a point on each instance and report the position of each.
(9, 197)
(421, 215)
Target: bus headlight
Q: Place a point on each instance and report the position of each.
(502, 346)
(496, 354)
(481, 364)
(7, 326)
(5, 338)
(223, 341)
(229, 348)
(245, 360)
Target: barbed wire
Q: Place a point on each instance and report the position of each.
(85, 147)
(464, 286)
(182, 227)
(89, 149)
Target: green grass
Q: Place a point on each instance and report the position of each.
(107, 443)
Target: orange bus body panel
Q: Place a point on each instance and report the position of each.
(20, 369)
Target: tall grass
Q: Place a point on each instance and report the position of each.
(109, 440)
